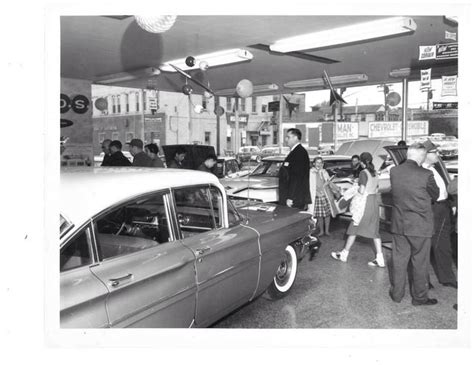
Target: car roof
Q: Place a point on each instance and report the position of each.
(86, 191)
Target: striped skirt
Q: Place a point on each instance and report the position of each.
(321, 206)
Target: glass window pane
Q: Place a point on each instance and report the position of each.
(135, 226)
(193, 209)
(217, 205)
(233, 216)
(76, 253)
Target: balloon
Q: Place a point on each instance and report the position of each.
(203, 65)
(393, 98)
(207, 95)
(101, 104)
(244, 88)
(190, 61)
(187, 90)
(198, 109)
(155, 24)
(218, 110)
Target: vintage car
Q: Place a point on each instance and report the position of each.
(249, 153)
(262, 183)
(274, 150)
(165, 248)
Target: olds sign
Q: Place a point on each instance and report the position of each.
(394, 129)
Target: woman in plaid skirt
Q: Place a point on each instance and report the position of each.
(320, 208)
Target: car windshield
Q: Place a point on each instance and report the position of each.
(267, 168)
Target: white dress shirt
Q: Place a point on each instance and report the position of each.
(443, 192)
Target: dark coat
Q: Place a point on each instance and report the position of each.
(293, 178)
(173, 164)
(106, 160)
(118, 159)
(414, 190)
(142, 159)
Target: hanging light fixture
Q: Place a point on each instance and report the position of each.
(335, 80)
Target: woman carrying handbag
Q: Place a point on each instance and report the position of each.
(365, 213)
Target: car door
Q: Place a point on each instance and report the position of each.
(148, 273)
(227, 255)
(82, 303)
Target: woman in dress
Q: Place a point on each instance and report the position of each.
(320, 209)
(368, 225)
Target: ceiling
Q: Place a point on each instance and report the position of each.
(93, 46)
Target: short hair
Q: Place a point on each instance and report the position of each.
(415, 149)
(355, 156)
(106, 141)
(116, 144)
(153, 148)
(318, 158)
(180, 151)
(295, 131)
(402, 143)
(211, 156)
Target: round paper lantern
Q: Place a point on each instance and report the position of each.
(198, 109)
(393, 98)
(155, 23)
(190, 61)
(203, 65)
(187, 90)
(244, 88)
(101, 104)
(218, 110)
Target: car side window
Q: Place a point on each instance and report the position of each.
(76, 252)
(233, 216)
(197, 210)
(137, 225)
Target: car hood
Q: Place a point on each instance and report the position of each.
(255, 182)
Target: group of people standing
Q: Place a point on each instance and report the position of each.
(148, 156)
(420, 219)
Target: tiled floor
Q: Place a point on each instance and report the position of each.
(332, 294)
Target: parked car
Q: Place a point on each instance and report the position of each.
(452, 168)
(249, 153)
(274, 150)
(167, 248)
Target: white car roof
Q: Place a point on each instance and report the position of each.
(85, 192)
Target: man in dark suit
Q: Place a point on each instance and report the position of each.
(414, 190)
(293, 178)
(117, 158)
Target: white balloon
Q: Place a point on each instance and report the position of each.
(155, 23)
(244, 88)
(198, 109)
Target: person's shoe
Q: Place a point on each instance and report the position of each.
(340, 255)
(395, 300)
(429, 301)
(379, 261)
(451, 285)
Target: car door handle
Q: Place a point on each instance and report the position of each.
(201, 251)
(117, 281)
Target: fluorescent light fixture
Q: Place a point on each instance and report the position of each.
(212, 59)
(351, 33)
(127, 76)
(256, 89)
(335, 80)
(401, 72)
(452, 19)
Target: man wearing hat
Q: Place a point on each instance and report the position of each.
(140, 158)
(441, 242)
(413, 191)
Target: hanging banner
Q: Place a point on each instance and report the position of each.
(425, 79)
(427, 53)
(449, 87)
(446, 51)
(449, 35)
(441, 105)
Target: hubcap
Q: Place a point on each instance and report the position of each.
(284, 270)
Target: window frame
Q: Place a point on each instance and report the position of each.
(171, 224)
(223, 214)
(88, 230)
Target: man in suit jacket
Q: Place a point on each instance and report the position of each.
(293, 178)
(414, 190)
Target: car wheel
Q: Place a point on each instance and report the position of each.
(285, 276)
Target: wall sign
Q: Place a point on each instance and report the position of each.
(394, 129)
(446, 51)
(450, 84)
(443, 105)
(347, 130)
(79, 104)
(427, 53)
(425, 79)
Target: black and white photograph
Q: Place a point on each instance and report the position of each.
(274, 177)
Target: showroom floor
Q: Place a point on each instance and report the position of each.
(332, 294)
